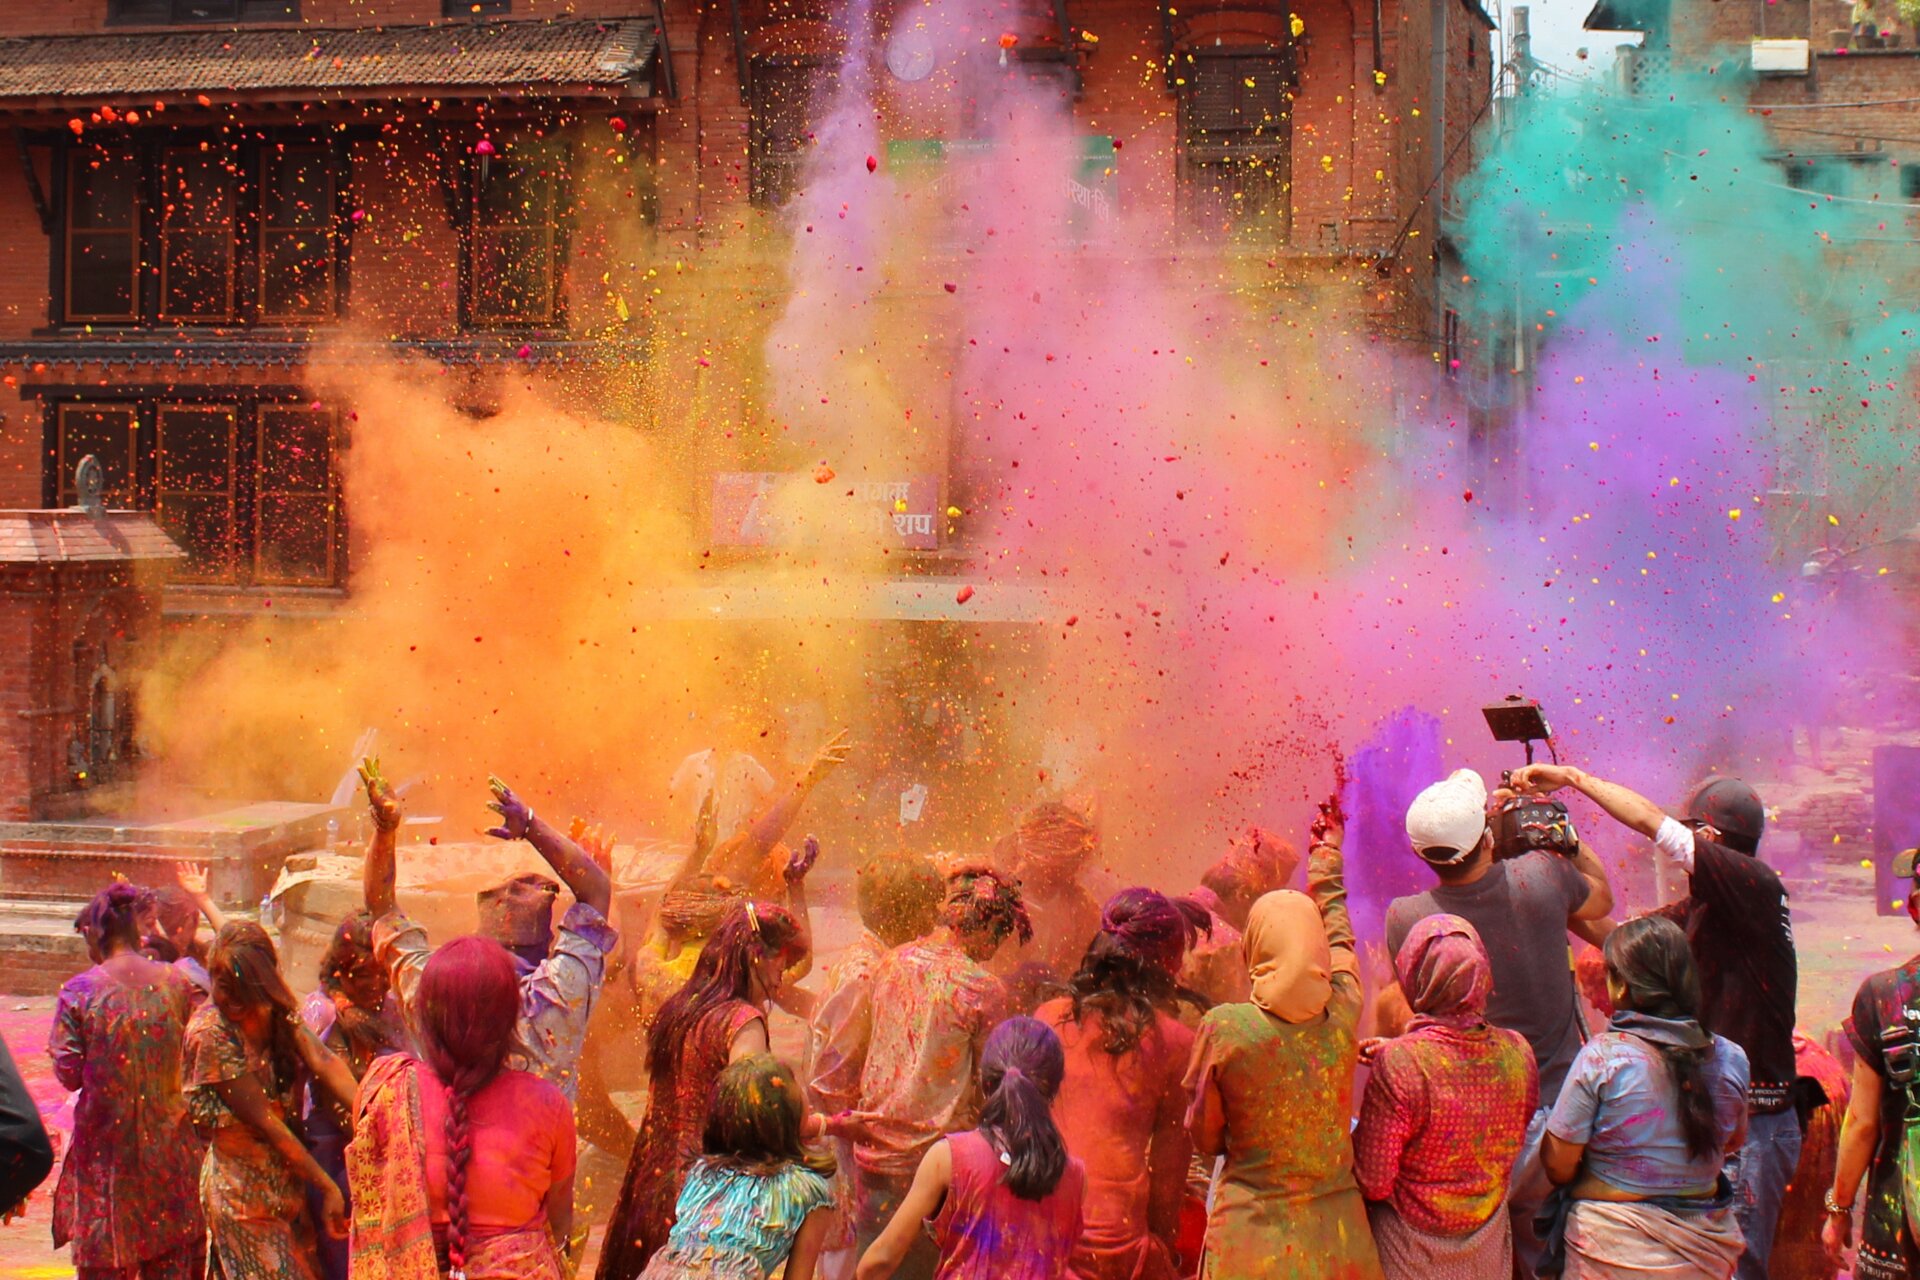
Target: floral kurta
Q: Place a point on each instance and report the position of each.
(255, 1202)
(127, 1192)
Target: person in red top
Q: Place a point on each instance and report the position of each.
(457, 1141)
(719, 1017)
(1444, 1116)
(1122, 1107)
(1003, 1200)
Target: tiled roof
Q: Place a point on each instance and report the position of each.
(497, 55)
(46, 537)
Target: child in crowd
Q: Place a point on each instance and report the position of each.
(757, 1198)
(1004, 1199)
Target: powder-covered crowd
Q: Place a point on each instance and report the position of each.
(1003, 1078)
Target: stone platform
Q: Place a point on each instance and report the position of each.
(48, 870)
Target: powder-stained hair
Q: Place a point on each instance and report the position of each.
(755, 1116)
(113, 916)
(245, 969)
(899, 896)
(723, 972)
(1127, 973)
(1020, 1072)
(465, 1014)
(1650, 959)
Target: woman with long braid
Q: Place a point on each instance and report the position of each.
(461, 1166)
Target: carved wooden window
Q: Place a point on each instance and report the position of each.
(298, 237)
(515, 242)
(102, 235)
(197, 239)
(194, 486)
(111, 433)
(782, 101)
(296, 516)
(1236, 137)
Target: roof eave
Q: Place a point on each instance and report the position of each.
(637, 93)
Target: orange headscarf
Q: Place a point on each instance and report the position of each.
(1288, 957)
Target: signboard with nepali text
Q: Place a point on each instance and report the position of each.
(902, 513)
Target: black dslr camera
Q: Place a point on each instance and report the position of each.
(1524, 823)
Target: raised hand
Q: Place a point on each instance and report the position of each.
(1541, 779)
(595, 839)
(382, 803)
(832, 754)
(799, 864)
(1329, 825)
(516, 815)
(192, 880)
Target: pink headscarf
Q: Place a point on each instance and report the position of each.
(1445, 974)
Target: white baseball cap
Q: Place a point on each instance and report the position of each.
(1450, 815)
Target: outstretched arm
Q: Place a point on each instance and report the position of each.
(585, 878)
(377, 877)
(193, 883)
(772, 826)
(1629, 808)
(931, 1182)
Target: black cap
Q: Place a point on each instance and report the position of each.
(1730, 807)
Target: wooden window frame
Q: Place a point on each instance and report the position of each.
(1196, 158)
(330, 492)
(558, 237)
(77, 156)
(455, 9)
(231, 226)
(161, 490)
(249, 160)
(250, 425)
(761, 162)
(267, 173)
(64, 465)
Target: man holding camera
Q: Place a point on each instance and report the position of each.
(1522, 907)
(1741, 932)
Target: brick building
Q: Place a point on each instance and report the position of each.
(1840, 106)
(204, 198)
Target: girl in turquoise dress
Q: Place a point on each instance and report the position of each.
(757, 1197)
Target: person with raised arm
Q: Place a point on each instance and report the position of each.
(1740, 930)
(560, 970)
(1272, 1088)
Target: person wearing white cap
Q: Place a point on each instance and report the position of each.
(1522, 908)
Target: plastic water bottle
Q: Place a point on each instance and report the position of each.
(333, 834)
(266, 915)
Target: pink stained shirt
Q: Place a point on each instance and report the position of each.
(523, 1143)
(985, 1232)
(932, 1009)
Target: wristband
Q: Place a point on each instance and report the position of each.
(1831, 1203)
